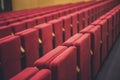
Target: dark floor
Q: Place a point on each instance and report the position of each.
(111, 68)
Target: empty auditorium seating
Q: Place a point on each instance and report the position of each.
(39, 19)
(74, 25)
(57, 32)
(45, 38)
(66, 27)
(82, 43)
(29, 46)
(65, 42)
(18, 26)
(32, 73)
(9, 57)
(104, 32)
(95, 34)
(61, 61)
(5, 31)
(30, 23)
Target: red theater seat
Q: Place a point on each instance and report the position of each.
(29, 45)
(82, 43)
(39, 19)
(43, 74)
(57, 32)
(45, 37)
(9, 57)
(30, 23)
(58, 61)
(74, 25)
(48, 17)
(18, 26)
(26, 74)
(81, 18)
(95, 34)
(5, 31)
(104, 32)
(66, 26)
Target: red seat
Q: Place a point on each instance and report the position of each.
(81, 18)
(74, 24)
(57, 32)
(82, 43)
(66, 27)
(40, 19)
(29, 46)
(57, 61)
(43, 74)
(5, 31)
(95, 34)
(9, 57)
(18, 26)
(45, 37)
(30, 23)
(26, 74)
(104, 31)
(48, 17)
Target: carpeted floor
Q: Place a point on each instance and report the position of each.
(111, 68)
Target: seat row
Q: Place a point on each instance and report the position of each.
(14, 17)
(54, 14)
(28, 45)
(82, 55)
(82, 18)
(41, 11)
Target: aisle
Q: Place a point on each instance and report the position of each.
(111, 67)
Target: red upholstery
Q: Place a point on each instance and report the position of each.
(40, 19)
(95, 46)
(45, 34)
(66, 26)
(43, 74)
(48, 17)
(74, 26)
(26, 74)
(80, 18)
(18, 26)
(30, 23)
(13, 20)
(9, 56)
(57, 30)
(3, 23)
(5, 31)
(82, 43)
(104, 31)
(109, 21)
(86, 17)
(57, 61)
(29, 39)
(55, 15)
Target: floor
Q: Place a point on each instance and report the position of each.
(111, 68)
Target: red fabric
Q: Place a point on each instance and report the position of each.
(66, 25)
(57, 61)
(57, 29)
(5, 31)
(74, 19)
(30, 23)
(95, 45)
(82, 43)
(18, 26)
(10, 56)
(29, 39)
(26, 74)
(43, 74)
(45, 33)
(40, 19)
